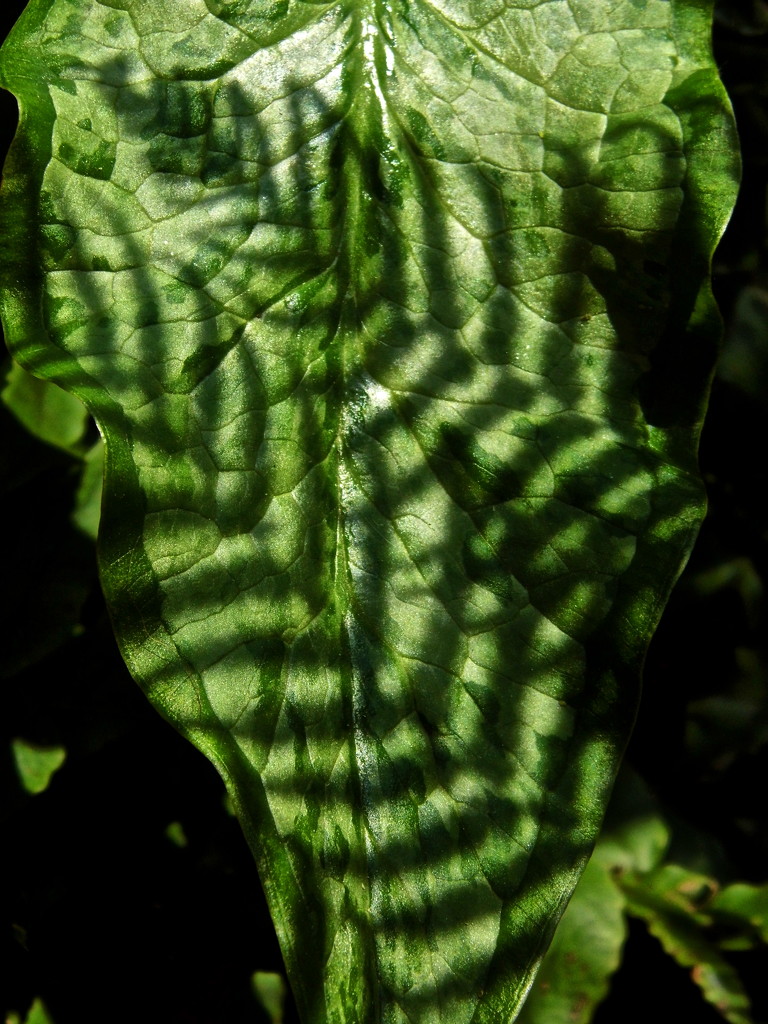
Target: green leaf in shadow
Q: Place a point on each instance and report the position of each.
(575, 973)
(673, 902)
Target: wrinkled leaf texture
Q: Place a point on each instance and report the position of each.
(396, 321)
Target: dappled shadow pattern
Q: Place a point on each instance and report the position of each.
(369, 320)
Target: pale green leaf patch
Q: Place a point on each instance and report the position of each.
(36, 765)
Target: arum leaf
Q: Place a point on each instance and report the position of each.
(394, 318)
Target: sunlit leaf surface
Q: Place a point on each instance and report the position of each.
(394, 318)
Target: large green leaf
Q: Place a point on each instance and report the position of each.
(395, 319)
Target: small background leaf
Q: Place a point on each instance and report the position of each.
(575, 973)
(48, 412)
(36, 765)
(738, 905)
(672, 901)
(270, 991)
(38, 1014)
(87, 511)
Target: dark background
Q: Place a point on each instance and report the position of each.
(108, 919)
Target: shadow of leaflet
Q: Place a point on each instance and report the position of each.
(377, 467)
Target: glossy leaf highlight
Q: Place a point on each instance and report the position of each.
(394, 318)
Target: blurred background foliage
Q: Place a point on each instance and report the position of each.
(129, 893)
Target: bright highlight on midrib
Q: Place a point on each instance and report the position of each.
(369, 329)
